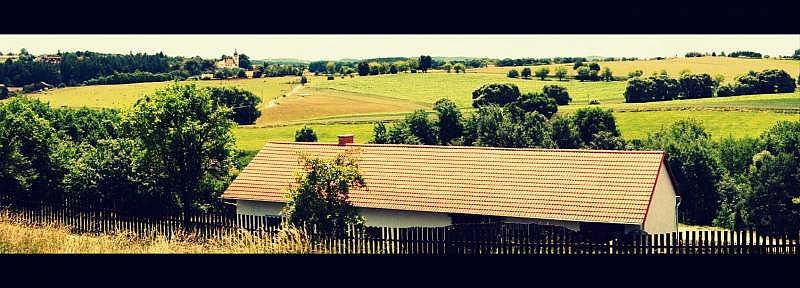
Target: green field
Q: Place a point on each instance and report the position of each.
(427, 88)
(351, 105)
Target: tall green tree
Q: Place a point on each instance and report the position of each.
(28, 141)
(320, 195)
(425, 63)
(450, 120)
(691, 157)
(244, 62)
(561, 72)
(542, 72)
(423, 128)
(187, 142)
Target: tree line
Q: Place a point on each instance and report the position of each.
(172, 151)
(661, 87)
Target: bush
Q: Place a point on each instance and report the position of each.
(526, 72)
(594, 102)
(558, 93)
(530, 102)
(421, 127)
(695, 86)
(513, 73)
(565, 134)
(304, 80)
(450, 122)
(542, 72)
(653, 88)
(330, 77)
(726, 90)
(589, 121)
(305, 134)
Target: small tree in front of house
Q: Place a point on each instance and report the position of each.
(320, 194)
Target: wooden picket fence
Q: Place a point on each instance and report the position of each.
(458, 239)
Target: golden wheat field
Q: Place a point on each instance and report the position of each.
(726, 66)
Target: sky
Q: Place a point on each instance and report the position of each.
(334, 47)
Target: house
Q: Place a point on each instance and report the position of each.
(52, 59)
(433, 186)
(229, 62)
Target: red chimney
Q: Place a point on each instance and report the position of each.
(345, 139)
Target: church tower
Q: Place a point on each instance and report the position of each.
(236, 57)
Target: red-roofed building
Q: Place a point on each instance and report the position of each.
(430, 186)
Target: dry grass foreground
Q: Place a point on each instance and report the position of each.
(19, 237)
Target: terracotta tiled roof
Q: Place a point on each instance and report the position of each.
(574, 185)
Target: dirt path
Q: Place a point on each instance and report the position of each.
(292, 92)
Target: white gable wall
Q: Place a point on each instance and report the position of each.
(661, 212)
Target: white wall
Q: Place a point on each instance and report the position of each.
(258, 208)
(661, 213)
(374, 217)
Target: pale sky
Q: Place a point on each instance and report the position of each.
(334, 47)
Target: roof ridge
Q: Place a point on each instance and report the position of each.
(469, 147)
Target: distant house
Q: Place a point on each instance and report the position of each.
(229, 62)
(53, 59)
(431, 186)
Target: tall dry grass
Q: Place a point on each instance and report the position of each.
(17, 236)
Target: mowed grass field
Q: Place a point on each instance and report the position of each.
(725, 66)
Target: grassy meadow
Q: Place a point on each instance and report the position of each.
(18, 237)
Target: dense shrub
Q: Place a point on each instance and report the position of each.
(542, 72)
(589, 121)
(558, 93)
(696, 86)
(765, 82)
(513, 73)
(526, 72)
(421, 127)
(305, 134)
(652, 88)
(538, 102)
(748, 54)
(450, 121)
(565, 134)
(494, 126)
(500, 94)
